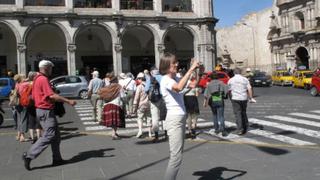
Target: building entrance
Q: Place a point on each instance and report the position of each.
(140, 63)
(103, 64)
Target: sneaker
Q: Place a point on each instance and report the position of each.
(59, 162)
(26, 161)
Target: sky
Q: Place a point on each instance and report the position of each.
(231, 11)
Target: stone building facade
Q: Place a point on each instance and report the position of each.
(111, 35)
(245, 44)
(294, 34)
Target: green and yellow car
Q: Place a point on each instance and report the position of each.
(302, 79)
(282, 78)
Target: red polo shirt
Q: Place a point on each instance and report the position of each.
(41, 91)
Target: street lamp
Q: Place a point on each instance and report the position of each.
(254, 45)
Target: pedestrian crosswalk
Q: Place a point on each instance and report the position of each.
(302, 127)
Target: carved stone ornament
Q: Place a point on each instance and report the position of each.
(21, 47)
(118, 47)
(209, 47)
(161, 48)
(72, 47)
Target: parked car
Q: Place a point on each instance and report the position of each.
(302, 79)
(6, 85)
(206, 78)
(315, 84)
(282, 78)
(260, 78)
(71, 86)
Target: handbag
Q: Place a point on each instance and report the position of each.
(14, 98)
(59, 109)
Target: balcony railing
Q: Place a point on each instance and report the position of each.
(44, 2)
(136, 4)
(7, 2)
(92, 4)
(177, 6)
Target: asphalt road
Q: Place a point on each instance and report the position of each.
(282, 143)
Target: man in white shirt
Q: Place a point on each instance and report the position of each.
(94, 85)
(129, 86)
(240, 90)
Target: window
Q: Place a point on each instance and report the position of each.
(59, 81)
(73, 79)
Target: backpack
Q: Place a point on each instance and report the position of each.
(154, 94)
(25, 96)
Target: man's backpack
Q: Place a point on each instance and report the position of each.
(25, 96)
(154, 94)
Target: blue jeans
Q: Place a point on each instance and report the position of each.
(218, 117)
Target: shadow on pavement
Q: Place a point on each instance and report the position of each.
(82, 156)
(5, 127)
(286, 132)
(66, 135)
(272, 150)
(216, 174)
(62, 123)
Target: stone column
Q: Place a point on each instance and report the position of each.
(157, 6)
(19, 4)
(71, 59)
(117, 59)
(115, 5)
(206, 48)
(21, 58)
(159, 53)
(69, 5)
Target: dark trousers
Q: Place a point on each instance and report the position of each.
(218, 117)
(240, 112)
(51, 135)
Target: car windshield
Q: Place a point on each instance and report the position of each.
(260, 74)
(3, 82)
(308, 75)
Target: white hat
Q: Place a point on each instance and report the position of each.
(96, 73)
(248, 70)
(45, 63)
(123, 75)
(140, 75)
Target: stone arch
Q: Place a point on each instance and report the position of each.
(112, 33)
(302, 56)
(94, 48)
(183, 50)
(54, 23)
(148, 27)
(138, 48)
(299, 20)
(13, 29)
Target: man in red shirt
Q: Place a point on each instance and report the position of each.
(44, 98)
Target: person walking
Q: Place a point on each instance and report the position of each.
(94, 85)
(44, 98)
(141, 103)
(175, 122)
(157, 105)
(241, 91)
(129, 86)
(214, 94)
(113, 113)
(192, 105)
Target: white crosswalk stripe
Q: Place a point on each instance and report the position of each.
(307, 132)
(290, 121)
(312, 116)
(294, 120)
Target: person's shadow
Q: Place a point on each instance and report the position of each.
(82, 156)
(216, 174)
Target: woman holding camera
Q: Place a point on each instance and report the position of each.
(175, 122)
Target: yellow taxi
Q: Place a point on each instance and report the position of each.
(302, 79)
(282, 78)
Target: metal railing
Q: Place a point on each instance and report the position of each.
(180, 6)
(135, 4)
(44, 2)
(92, 3)
(7, 2)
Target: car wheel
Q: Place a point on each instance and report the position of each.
(83, 94)
(313, 91)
